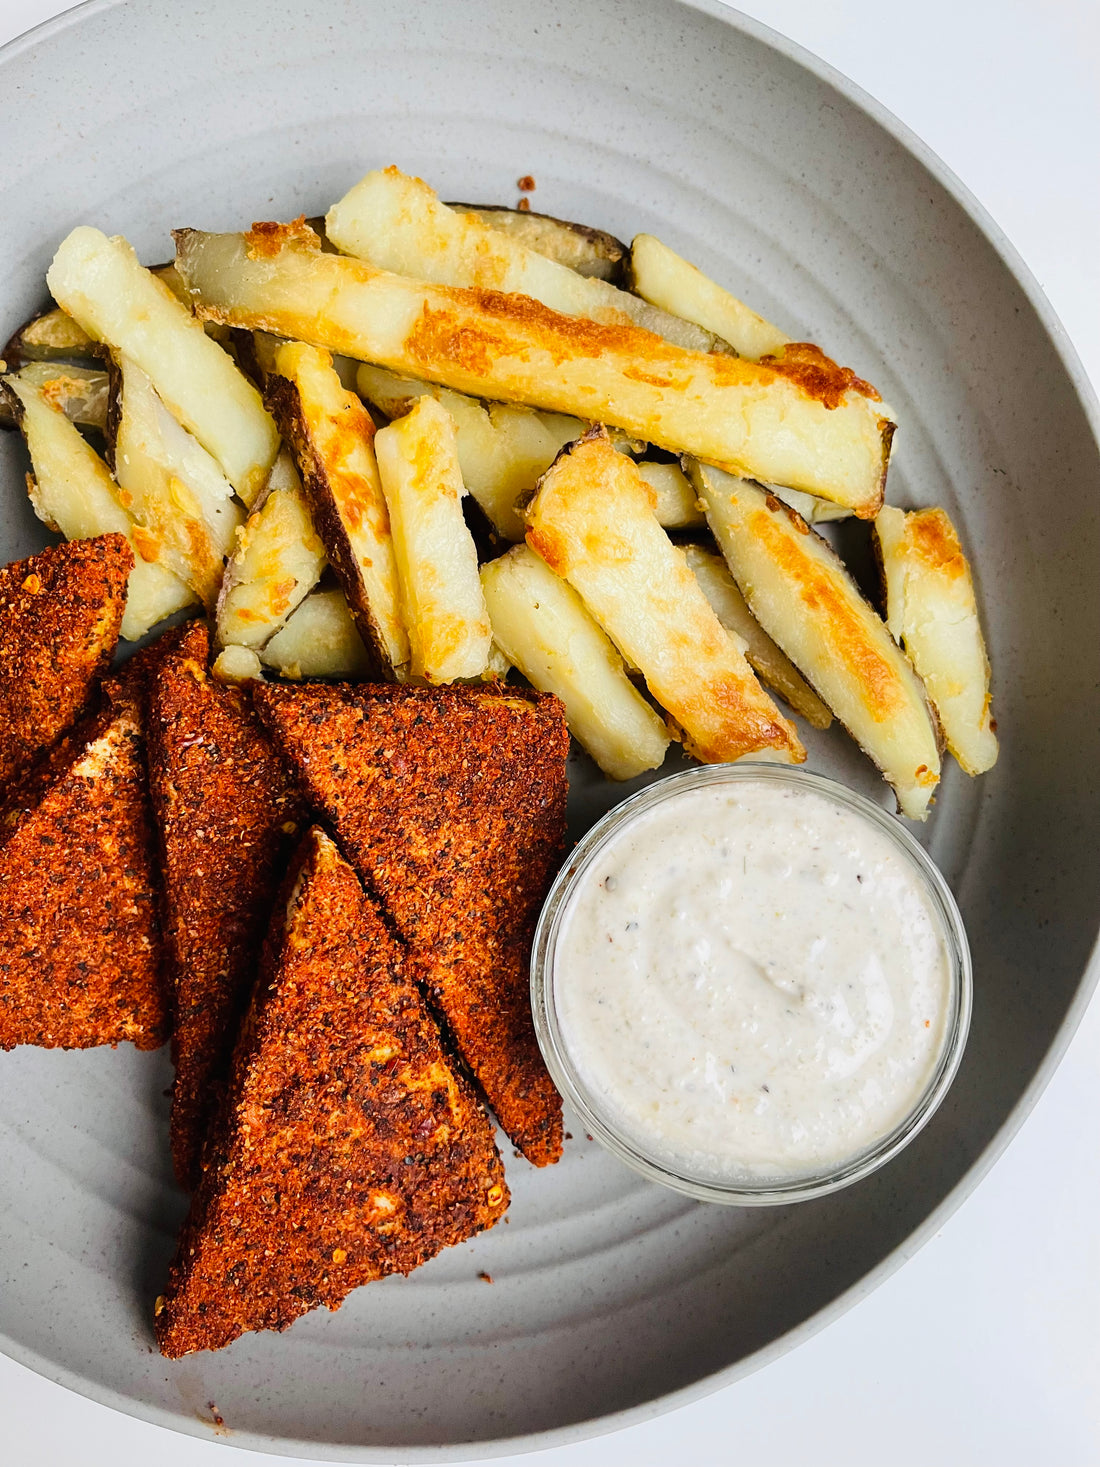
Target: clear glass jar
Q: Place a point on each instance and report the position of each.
(595, 1116)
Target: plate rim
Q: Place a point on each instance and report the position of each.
(597, 1426)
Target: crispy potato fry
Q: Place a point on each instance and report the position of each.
(332, 437)
(72, 491)
(51, 336)
(81, 393)
(770, 664)
(663, 277)
(502, 449)
(170, 484)
(546, 631)
(801, 594)
(277, 561)
(237, 665)
(397, 223)
(115, 299)
(441, 598)
(932, 610)
(781, 423)
(585, 250)
(320, 640)
(592, 522)
(677, 506)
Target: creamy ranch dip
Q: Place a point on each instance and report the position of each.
(752, 982)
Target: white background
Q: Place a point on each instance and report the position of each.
(985, 1348)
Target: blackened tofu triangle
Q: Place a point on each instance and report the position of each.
(450, 802)
(228, 813)
(347, 1147)
(81, 961)
(60, 612)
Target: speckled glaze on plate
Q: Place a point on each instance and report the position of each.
(611, 1299)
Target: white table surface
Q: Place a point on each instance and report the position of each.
(985, 1348)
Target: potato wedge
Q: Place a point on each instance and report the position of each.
(170, 484)
(546, 631)
(51, 336)
(277, 561)
(81, 393)
(666, 279)
(781, 427)
(332, 438)
(801, 594)
(587, 251)
(676, 506)
(931, 609)
(441, 599)
(771, 665)
(320, 640)
(396, 222)
(237, 665)
(502, 449)
(592, 522)
(115, 299)
(72, 491)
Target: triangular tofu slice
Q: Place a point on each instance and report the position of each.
(60, 612)
(227, 814)
(81, 960)
(450, 802)
(347, 1149)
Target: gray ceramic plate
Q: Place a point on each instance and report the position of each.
(611, 1299)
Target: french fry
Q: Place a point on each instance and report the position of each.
(320, 639)
(780, 424)
(546, 631)
(666, 279)
(770, 664)
(676, 503)
(502, 449)
(277, 561)
(72, 491)
(81, 393)
(932, 610)
(803, 597)
(592, 522)
(332, 437)
(588, 251)
(116, 300)
(396, 222)
(170, 484)
(441, 598)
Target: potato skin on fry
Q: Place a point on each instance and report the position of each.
(332, 437)
(593, 523)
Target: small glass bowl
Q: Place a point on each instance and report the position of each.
(746, 1192)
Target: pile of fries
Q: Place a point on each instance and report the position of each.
(431, 442)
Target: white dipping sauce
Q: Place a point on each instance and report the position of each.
(752, 982)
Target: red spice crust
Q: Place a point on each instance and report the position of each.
(227, 812)
(81, 960)
(347, 1149)
(450, 802)
(60, 612)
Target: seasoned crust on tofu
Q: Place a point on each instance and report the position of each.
(81, 960)
(450, 802)
(60, 612)
(227, 813)
(347, 1147)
